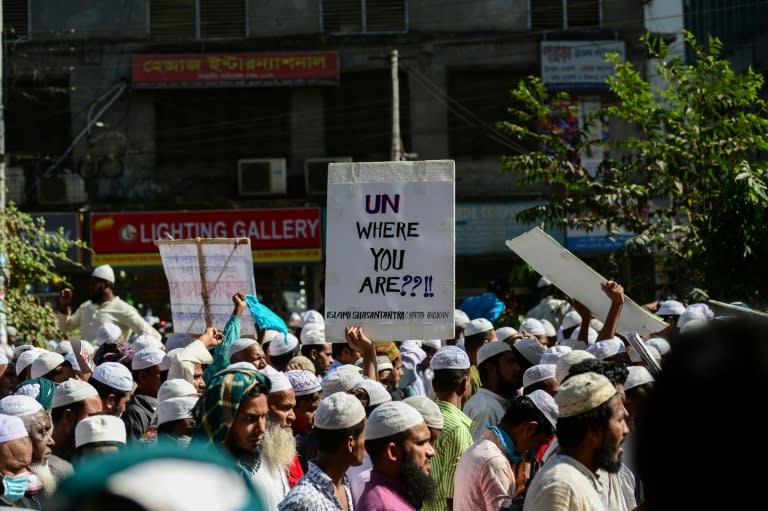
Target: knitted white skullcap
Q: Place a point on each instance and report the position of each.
(582, 393)
(565, 362)
(670, 308)
(241, 344)
(607, 348)
(175, 408)
(105, 272)
(176, 387)
(18, 350)
(435, 344)
(570, 320)
(339, 381)
(574, 344)
(530, 349)
(661, 344)
(477, 326)
(383, 363)
(147, 341)
(449, 357)
(11, 428)
(147, 357)
(63, 347)
(100, 428)
(72, 391)
(549, 328)
(505, 332)
(108, 333)
(243, 365)
(19, 405)
(428, 409)
(279, 381)
(311, 316)
(313, 337)
(537, 373)
(115, 375)
(546, 405)
(270, 335)
(460, 318)
(490, 350)
(303, 382)
(533, 326)
(638, 375)
(591, 334)
(390, 419)
(553, 353)
(70, 357)
(283, 344)
(311, 327)
(377, 393)
(45, 363)
(339, 411)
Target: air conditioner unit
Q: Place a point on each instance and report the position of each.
(316, 173)
(261, 176)
(61, 189)
(16, 185)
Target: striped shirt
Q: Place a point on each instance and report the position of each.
(450, 445)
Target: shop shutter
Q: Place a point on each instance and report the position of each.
(364, 16)
(172, 19)
(385, 16)
(583, 13)
(546, 14)
(222, 19)
(15, 19)
(345, 16)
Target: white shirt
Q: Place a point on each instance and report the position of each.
(89, 317)
(484, 478)
(564, 484)
(271, 484)
(483, 406)
(358, 477)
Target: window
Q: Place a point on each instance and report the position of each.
(197, 19)
(15, 19)
(364, 16)
(564, 14)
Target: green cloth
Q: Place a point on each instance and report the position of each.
(474, 380)
(216, 410)
(41, 389)
(221, 353)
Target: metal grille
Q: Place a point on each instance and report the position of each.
(172, 19)
(364, 16)
(583, 13)
(15, 19)
(385, 16)
(222, 19)
(546, 14)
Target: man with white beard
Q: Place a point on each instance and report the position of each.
(278, 454)
(38, 424)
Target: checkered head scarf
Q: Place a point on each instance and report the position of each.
(216, 410)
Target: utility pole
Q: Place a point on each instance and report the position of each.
(397, 143)
(4, 273)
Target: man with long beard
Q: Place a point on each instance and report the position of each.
(397, 440)
(38, 424)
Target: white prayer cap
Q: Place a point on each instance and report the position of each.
(243, 365)
(147, 357)
(70, 357)
(19, 405)
(241, 344)
(311, 316)
(435, 344)
(175, 408)
(703, 307)
(303, 362)
(63, 347)
(280, 382)
(693, 324)
(377, 393)
(565, 362)
(505, 332)
(11, 330)
(339, 381)
(352, 368)
(491, 349)
(537, 373)
(313, 337)
(390, 419)
(543, 282)
(549, 328)
(147, 341)
(670, 308)
(72, 391)
(18, 350)
(661, 344)
(552, 353)
(115, 375)
(530, 349)
(45, 363)
(270, 335)
(339, 411)
(283, 344)
(311, 327)
(607, 348)
(449, 357)
(460, 318)
(108, 333)
(591, 335)
(638, 375)
(165, 365)
(25, 359)
(303, 382)
(294, 319)
(175, 387)
(105, 272)
(11, 428)
(596, 324)
(533, 326)
(477, 326)
(100, 428)
(383, 363)
(574, 344)
(582, 393)
(570, 320)
(654, 353)
(428, 409)
(690, 314)
(546, 405)
(178, 340)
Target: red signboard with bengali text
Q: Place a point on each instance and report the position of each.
(276, 235)
(236, 69)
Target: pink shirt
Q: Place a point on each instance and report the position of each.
(382, 493)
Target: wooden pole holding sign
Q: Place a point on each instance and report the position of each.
(203, 274)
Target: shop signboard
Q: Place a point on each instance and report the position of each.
(578, 65)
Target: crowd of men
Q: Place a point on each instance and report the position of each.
(539, 418)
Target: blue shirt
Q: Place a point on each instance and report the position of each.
(315, 492)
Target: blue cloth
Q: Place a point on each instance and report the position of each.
(221, 354)
(486, 305)
(263, 315)
(315, 492)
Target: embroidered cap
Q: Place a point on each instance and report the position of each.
(537, 373)
(449, 357)
(582, 393)
(303, 382)
(390, 419)
(339, 411)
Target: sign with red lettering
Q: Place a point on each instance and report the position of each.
(276, 235)
(236, 69)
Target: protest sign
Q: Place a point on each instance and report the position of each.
(576, 279)
(390, 249)
(203, 274)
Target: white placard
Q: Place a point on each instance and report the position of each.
(574, 65)
(576, 279)
(225, 264)
(390, 249)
